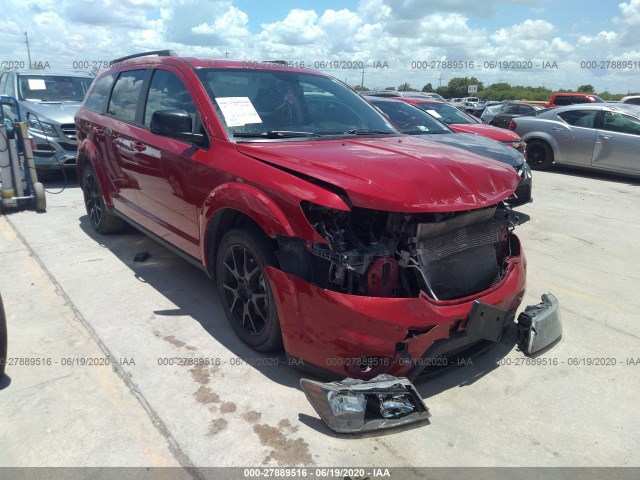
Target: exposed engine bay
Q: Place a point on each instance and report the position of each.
(388, 254)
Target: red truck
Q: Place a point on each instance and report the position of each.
(563, 99)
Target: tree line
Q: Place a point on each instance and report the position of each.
(458, 87)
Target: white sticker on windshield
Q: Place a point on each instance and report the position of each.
(423, 128)
(434, 113)
(238, 111)
(37, 84)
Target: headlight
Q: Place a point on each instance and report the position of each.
(42, 127)
(358, 406)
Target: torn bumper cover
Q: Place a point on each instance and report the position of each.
(353, 406)
(539, 325)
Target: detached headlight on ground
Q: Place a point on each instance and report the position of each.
(539, 326)
(352, 405)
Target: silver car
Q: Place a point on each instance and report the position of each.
(47, 100)
(590, 136)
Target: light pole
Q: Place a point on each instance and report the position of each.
(28, 51)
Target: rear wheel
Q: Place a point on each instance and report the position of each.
(246, 295)
(539, 154)
(101, 219)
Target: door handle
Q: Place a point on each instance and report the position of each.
(557, 129)
(606, 137)
(139, 146)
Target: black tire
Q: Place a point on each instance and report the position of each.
(101, 219)
(539, 154)
(246, 295)
(3, 338)
(40, 200)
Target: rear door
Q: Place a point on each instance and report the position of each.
(575, 140)
(617, 143)
(119, 132)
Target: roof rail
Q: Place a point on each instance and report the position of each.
(160, 53)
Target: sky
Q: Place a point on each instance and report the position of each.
(380, 43)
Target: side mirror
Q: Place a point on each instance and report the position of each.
(176, 124)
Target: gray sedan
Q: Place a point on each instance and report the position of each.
(598, 137)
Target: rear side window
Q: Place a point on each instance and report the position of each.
(168, 92)
(632, 101)
(618, 122)
(97, 99)
(579, 118)
(126, 93)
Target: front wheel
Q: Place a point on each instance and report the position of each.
(244, 288)
(539, 154)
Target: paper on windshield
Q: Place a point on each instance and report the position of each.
(434, 113)
(37, 84)
(238, 111)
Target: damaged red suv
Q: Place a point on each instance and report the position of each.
(358, 249)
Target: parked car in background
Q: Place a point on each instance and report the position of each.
(631, 99)
(563, 99)
(414, 121)
(462, 123)
(329, 233)
(590, 136)
(398, 93)
(48, 100)
(501, 115)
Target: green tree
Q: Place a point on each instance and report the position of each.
(586, 89)
(427, 88)
(405, 87)
(459, 87)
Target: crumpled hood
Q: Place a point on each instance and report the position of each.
(398, 174)
(495, 133)
(57, 112)
(479, 145)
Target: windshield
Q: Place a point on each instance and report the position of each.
(276, 104)
(53, 88)
(409, 119)
(446, 113)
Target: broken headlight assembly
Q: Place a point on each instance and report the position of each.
(539, 326)
(353, 406)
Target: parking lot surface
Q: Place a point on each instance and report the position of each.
(138, 366)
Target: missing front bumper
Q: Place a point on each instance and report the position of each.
(539, 325)
(354, 406)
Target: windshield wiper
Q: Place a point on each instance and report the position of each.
(365, 131)
(276, 134)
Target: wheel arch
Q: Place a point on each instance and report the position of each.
(88, 155)
(236, 205)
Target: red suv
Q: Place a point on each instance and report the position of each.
(358, 249)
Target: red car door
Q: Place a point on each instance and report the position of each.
(166, 166)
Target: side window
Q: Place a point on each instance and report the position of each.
(511, 109)
(126, 92)
(618, 122)
(3, 81)
(632, 101)
(97, 99)
(579, 118)
(166, 92)
(561, 101)
(10, 87)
